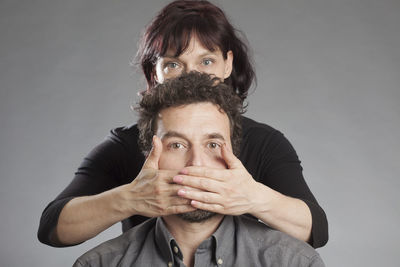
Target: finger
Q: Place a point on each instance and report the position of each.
(230, 159)
(204, 184)
(167, 190)
(154, 155)
(179, 209)
(197, 171)
(209, 207)
(167, 175)
(179, 201)
(205, 197)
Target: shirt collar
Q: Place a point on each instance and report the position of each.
(222, 241)
(164, 240)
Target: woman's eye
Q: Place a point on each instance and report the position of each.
(171, 65)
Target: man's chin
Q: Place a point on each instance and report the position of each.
(196, 216)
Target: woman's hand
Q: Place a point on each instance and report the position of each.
(233, 191)
(153, 192)
(230, 191)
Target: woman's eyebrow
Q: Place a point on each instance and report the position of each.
(204, 54)
(169, 55)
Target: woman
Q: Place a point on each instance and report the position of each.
(111, 185)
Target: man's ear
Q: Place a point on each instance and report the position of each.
(228, 64)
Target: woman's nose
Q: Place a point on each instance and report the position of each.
(191, 67)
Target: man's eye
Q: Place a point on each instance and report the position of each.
(176, 146)
(213, 145)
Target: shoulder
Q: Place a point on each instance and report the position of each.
(257, 133)
(277, 246)
(124, 142)
(118, 155)
(107, 253)
(262, 145)
(125, 134)
(118, 138)
(250, 126)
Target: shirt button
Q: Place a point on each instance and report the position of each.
(220, 261)
(176, 249)
(170, 264)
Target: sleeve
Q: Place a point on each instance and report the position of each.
(278, 167)
(78, 264)
(317, 262)
(112, 163)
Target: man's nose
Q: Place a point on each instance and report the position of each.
(196, 157)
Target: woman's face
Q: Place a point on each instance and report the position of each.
(195, 58)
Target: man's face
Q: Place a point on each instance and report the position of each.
(193, 135)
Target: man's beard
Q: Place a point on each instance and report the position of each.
(196, 216)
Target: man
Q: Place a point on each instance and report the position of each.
(194, 121)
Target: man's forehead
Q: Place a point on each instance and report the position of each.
(198, 119)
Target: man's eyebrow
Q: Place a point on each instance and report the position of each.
(183, 136)
(215, 136)
(173, 134)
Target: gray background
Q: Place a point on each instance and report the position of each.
(328, 77)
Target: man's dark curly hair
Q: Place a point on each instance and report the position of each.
(190, 88)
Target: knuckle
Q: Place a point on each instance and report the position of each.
(157, 175)
(227, 176)
(219, 208)
(161, 209)
(203, 183)
(151, 172)
(206, 198)
(178, 209)
(229, 190)
(172, 210)
(159, 202)
(157, 189)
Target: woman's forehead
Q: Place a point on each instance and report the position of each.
(195, 48)
(189, 43)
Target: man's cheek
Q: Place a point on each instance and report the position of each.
(219, 163)
(171, 161)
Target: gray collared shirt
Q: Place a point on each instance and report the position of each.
(238, 241)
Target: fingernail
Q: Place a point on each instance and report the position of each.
(177, 179)
(184, 171)
(181, 192)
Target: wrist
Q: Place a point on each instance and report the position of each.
(118, 201)
(265, 200)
